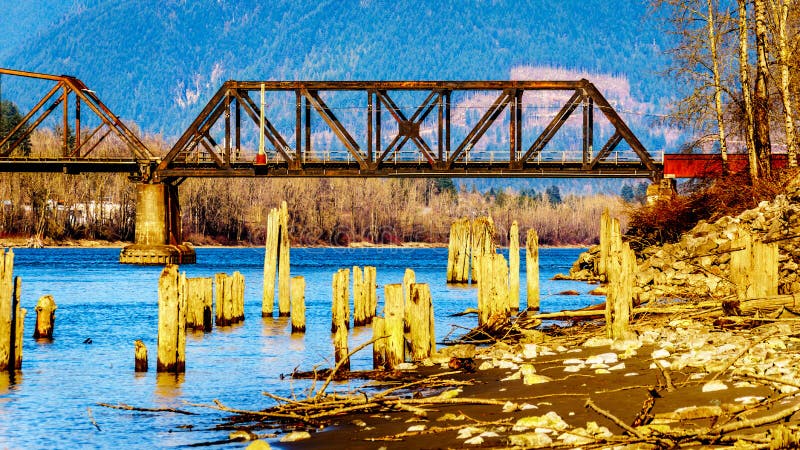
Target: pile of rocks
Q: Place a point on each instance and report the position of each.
(698, 264)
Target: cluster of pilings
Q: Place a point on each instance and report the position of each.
(472, 250)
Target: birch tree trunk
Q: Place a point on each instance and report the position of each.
(780, 15)
(761, 98)
(747, 95)
(712, 47)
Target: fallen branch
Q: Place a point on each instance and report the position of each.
(135, 408)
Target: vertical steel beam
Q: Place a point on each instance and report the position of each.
(65, 130)
(228, 125)
(238, 125)
(298, 136)
(512, 131)
(307, 125)
(447, 124)
(588, 130)
(378, 122)
(77, 123)
(370, 118)
(440, 127)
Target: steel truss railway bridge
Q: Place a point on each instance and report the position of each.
(333, 129)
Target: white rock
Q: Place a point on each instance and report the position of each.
(601, 371)
(713, 386)
(574, 369)
(405, 366)
(514, 376)
(295, 436)
(505, 364)
(619, 366)
(529, 351)
(487, 434)
(660, 354)
(597, 341)
(414, 428)
(486, 365)
(526, 406)
(632, 374)
(510, 407)
(749, 400)
(477, 440)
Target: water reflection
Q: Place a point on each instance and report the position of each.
(275, 326)
(168, 388)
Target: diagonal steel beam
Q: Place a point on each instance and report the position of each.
(338, 129)
(482, 126)
(606, 150)
(552, 127)
(24, 121)
(417, 118)
(254, 111)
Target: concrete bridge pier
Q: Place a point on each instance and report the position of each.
(158, 238)
(663, 189)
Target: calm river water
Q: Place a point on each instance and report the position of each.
(53, 402)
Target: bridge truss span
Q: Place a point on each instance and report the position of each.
(408, 128)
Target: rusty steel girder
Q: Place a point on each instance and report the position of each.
(198, 153)
(77, 156)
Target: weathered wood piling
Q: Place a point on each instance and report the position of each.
(284, 294)
(359, 298)
(171, 320)
(378, 346)
(12, 317)
(422, 343)
(409, 278)
(340, 305)
(341, 348)
(276, 259)
(297, 289)
(45, 317)
(371, 290)
(605, 244)
(513, 267)
(394, 311)
(482, 242)
(199, 303)
(139, 356)
(494, 308)
(229, 298)
(620, 268)
(458, 251)
(532, 269)
(754, 267)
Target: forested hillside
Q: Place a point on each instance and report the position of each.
(156, 62)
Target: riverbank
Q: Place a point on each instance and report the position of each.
(685, 380)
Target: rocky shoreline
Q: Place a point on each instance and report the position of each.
(698, 266)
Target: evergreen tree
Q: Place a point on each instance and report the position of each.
(553, 195)
(627, 193)
(9, 118)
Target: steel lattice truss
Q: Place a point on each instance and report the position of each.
(378, 138)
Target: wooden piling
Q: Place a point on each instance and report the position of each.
(340, 308)
(223, 299)
(284, 296)
(271, 256)
(409, 278)
(420, 321)
(493, 305)
(513, 267)
(297, 289)
(171, 320)
(18, 320)
(199, 300)
(139, 356)
(359, 298)
(341, 348)
(8, 294)
(532, 269)
(605, 244)
(458, 251)
(45, 317)
(754, 268)
(237, 297)
(620, 269)
(379, 346)
(393, 323)
(370, 289)
(482, 241)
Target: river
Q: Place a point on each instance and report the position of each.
(104, 306)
